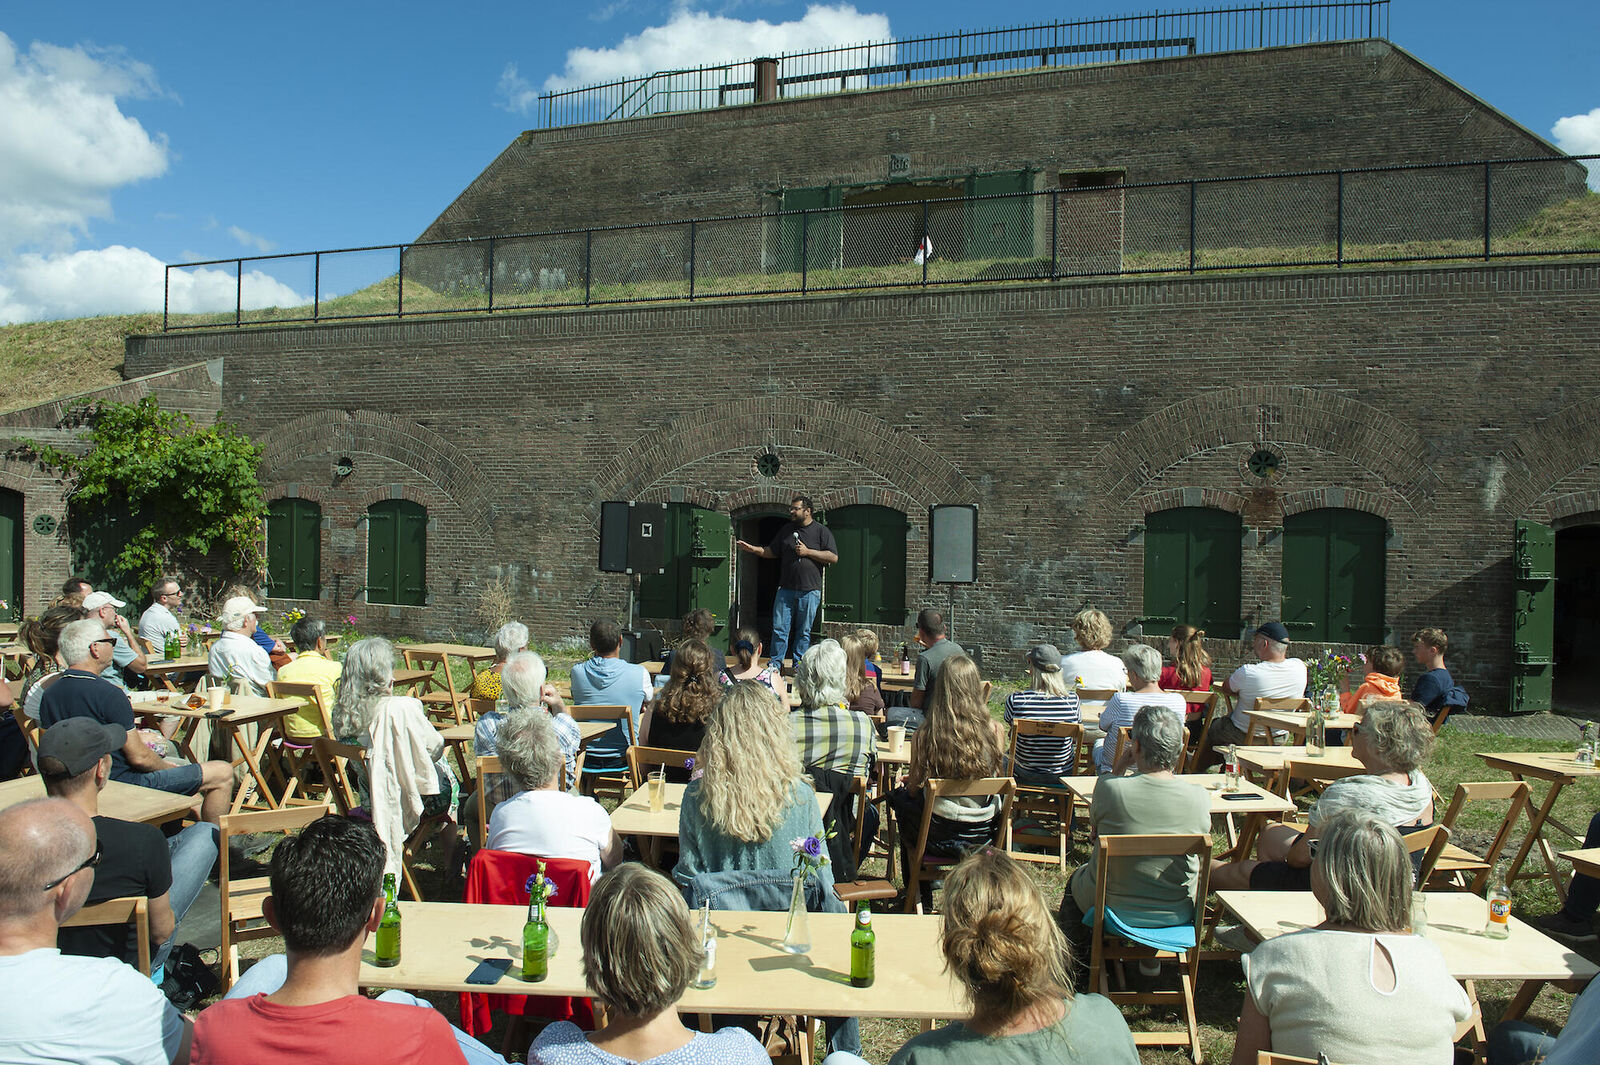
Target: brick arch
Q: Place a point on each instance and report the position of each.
(1341, 498)
(1172, 498)
(1265, 414)
(919, 474)
(397, 438)
(1540, 457)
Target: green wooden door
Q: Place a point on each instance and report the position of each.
(867, 586)
(1533, 566)
(1000, 229)
(1334, 583)
(95, 538)
(1191, 569)
(11, 554)
(294, 549)
(710, 550)
(814, 238)
(397, 551)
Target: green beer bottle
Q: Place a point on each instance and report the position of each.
(387, 950)
(863, 948)
(535, 942)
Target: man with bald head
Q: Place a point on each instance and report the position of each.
(60, 1008)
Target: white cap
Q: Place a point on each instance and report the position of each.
(234, 610)
(96, 600)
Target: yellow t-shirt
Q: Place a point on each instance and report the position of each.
(309, 667)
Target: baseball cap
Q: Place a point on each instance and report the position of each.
(1274, 630)
(79, 742)
(96, 600)
(236, 608)
(1045, 657)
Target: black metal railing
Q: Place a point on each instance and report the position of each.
(1485, 209)
(879, 64)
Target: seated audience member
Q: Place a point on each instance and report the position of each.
(937, 649)
(59, 1008)
(1000, 944)
(408, 778)
(235, 655)
(1520, 1043)
(1574, 922)
(1381, 683)
(1274, 676)
(1359, 986)
(1191, 666)
(126, 657)
(78, 587)
(1144, 891)
(676, 718)
(1091, 666)
(1143, 664)
(327, 898)
(860, 689)
(1391, 742)
(508, 640)
(641, 950)
(310, 666)
(869, 647)
(827, 733)
(699, 624)
(748, 664)
(42, 635)
(1043, 759)
(752, 799)
(522, 684)
(1434, 690)
(957, 742)
(606, 680)
(540, 819)
(276, 651)
(135, 858)
(79, 692)
(159, 619)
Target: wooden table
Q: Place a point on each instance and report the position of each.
(241, 712)
(410, 678)
(1255, 809)
(125, 802)
(895, 681)
(1558, 770)
(1586, 862)
(1455, 924)
(1269, 761)
(1294, 722)
(168, 668)
(455, 650)
(443, 942)
(635, 818)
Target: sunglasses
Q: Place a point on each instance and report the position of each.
(88, 863)
(108, 639)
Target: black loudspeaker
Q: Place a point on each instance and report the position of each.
(631, 535)
(953, 544)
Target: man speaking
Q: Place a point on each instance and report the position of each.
(802, 547)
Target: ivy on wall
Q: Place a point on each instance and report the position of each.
(192, 489)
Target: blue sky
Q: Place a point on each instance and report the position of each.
(128, 139)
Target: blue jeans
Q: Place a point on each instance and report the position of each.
(268, 974)
(796, 610)
(1517, 1043)
(193, 852)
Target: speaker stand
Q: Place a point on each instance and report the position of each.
(950, 615)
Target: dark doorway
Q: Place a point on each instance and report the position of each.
(757, 583)
(1577, 619)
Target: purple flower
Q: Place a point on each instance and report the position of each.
(528, 884)
(688, 763)
(813, 846)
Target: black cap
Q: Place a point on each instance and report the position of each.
(79, 743)
(1274, 630)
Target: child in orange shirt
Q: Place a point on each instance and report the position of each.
(1382, 683)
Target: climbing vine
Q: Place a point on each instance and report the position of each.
(186, 489)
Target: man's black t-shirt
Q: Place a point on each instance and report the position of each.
(796, 573)
(134, 860)
(81, 694)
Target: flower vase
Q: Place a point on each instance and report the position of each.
(797, 931)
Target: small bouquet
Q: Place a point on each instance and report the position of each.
(811, 852)
(291, 617)
(694, 774)
(1328, 672)
(540, 888)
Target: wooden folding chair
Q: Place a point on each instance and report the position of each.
(1430, 842)
(336, 760)
(1210, 702)
(920, 861)
(30, 732)
(1316, 772)
(615, 781)
(241, 898)
(852, 891)
(476, 708)
(1124, 741)
(1113, 939)
(641, 760)
(1264, 731)
(1044, 809)
(1458, 867)
(135, 908)
(299, 754)
(438, 693)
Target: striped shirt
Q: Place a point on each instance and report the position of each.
(1044, 754)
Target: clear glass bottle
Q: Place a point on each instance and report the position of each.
(707, 976)
(1585, 752)
(1316, 730)
(1498, 925)
(1230, 767)
(386, 951)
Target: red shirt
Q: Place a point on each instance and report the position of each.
(1169, 682)
(352, 1030)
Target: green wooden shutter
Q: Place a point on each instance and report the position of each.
(1191, 568)
(999, 229)
(381, 586)
(1334, 563)
(867, 585)
(95, 538)
(411, 553)
(1533, 555)
(820, 231)
(1305, 575)
(709, 554)
(11, 553)
(294, 549)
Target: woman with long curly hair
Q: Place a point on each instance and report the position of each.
(677, 717)
(956, 742)
(752, 799)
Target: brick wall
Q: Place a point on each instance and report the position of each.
(1447, 400)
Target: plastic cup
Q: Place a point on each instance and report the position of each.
(897, 738)
(214, 697)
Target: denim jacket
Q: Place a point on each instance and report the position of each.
(757, 889)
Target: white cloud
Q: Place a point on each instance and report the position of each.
(65, 144)
(120, 280)
(694, 38)
(1580, 135)
(517, 94)
(251, 240)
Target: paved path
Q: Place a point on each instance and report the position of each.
(1525, 726)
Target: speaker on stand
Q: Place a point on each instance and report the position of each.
(952, 550)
